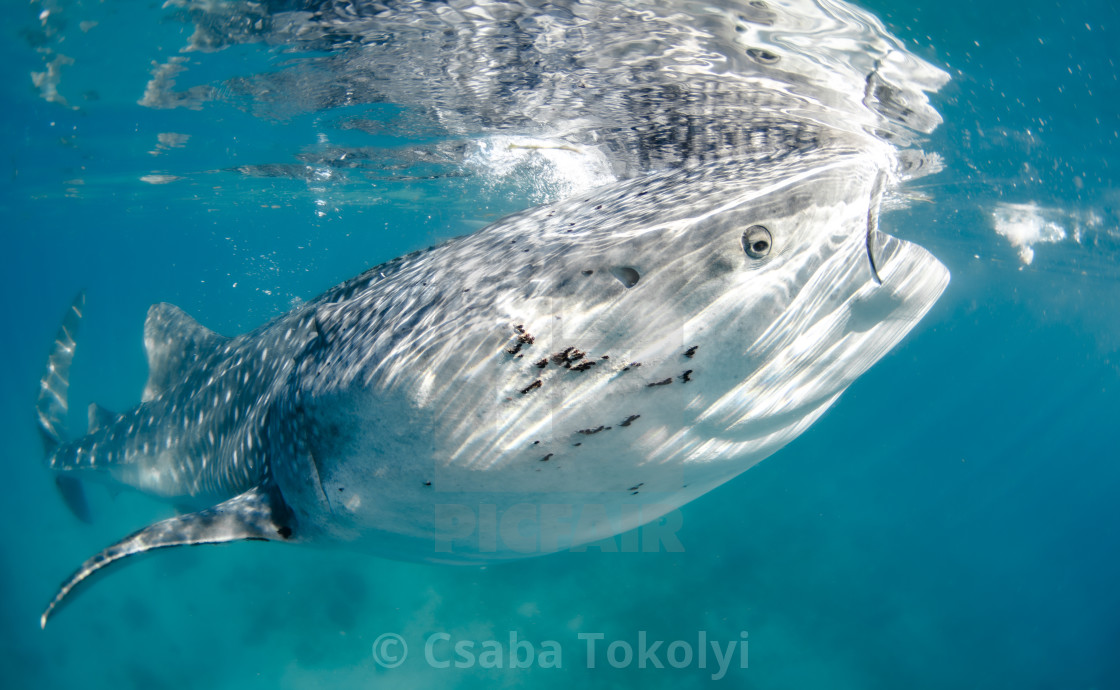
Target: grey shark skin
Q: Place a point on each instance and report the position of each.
(633, 348)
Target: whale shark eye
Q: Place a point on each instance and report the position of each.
(757, 241)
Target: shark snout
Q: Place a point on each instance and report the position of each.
(905, 269)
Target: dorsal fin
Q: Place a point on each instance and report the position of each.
(174, 341)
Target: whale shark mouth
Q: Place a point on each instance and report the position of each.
(871, 258)
(892, 260)
(930, 275)
(873, 224)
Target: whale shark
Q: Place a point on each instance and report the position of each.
(571, 371)
(636, 346)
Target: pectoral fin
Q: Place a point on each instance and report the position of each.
(259, 514)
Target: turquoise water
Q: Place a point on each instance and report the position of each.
(951, 522)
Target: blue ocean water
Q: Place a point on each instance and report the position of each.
(951, 522)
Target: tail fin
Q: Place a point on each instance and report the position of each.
(52, 406)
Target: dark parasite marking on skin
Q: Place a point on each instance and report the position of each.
(629, 420)
(691, 351)
(542, 363)
(632, 365)
(583, 366)
(664, 382)
(567, 356)
(531, 386)
(588, 432)
(523, 339)
(587, 273)
(686, 376)
(284, 531)
(545, 458)
(427, 483)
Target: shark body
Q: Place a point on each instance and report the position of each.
(634, 347)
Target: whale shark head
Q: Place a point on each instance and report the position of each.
(666, 332)
(782, 276)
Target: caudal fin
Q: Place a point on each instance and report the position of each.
(53, 406)
(55, 385)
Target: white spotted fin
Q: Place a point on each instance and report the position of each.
(258, 514)
(174, 342)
